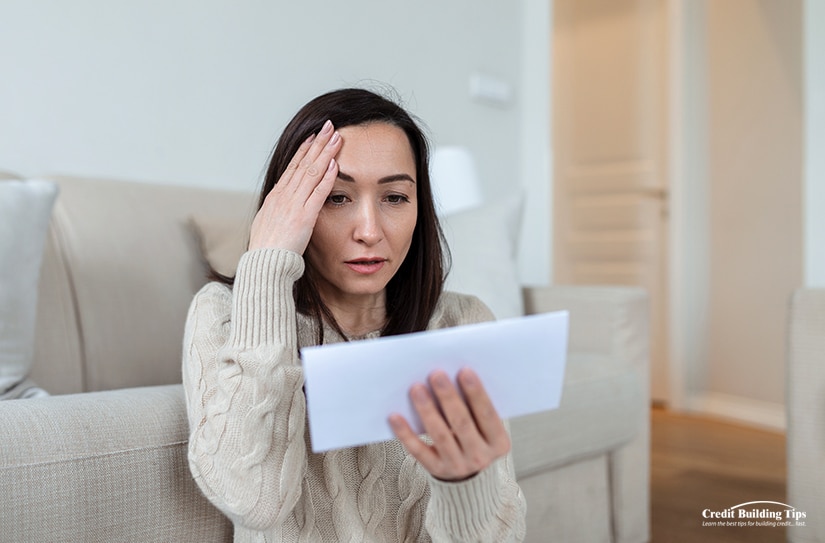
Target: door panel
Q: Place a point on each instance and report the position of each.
(610, 209)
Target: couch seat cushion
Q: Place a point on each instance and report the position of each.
(102, 466)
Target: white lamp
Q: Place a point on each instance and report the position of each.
(454, 180)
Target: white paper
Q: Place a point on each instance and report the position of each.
(352, 388)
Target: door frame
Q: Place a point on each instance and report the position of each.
(689, 259)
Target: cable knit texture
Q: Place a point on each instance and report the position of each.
(249, 447)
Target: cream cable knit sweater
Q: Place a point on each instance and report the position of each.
(249, 446)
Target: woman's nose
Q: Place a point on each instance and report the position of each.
(368, 228)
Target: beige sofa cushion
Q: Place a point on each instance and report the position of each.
(4, 175)
(115, 296)
(103, 466)
(223, 239)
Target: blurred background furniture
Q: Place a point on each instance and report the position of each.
(104, 458)
(806, 414)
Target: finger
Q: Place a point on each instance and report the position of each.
(310, 175)
(456, 412)
(483, 411)
(317, 147)
(304, 158)
(435, 425)
(299, 155)
(417, 448)
(319, 194)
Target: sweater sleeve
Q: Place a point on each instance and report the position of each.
(243, 384)
(490, 507)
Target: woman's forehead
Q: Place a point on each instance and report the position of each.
(375, 150)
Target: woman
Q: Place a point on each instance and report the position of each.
(345, 245)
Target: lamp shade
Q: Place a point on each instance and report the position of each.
(454, 179)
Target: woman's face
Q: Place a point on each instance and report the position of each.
(365, 228)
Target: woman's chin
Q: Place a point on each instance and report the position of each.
(360, 289)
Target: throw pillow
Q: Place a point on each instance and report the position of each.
(4, 175)
(222, 240)
(25, 210)
(484, 243)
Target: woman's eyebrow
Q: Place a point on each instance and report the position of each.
(386, 179)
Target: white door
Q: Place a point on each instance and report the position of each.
(609, 131)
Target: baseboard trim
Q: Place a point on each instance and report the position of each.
(757, 413)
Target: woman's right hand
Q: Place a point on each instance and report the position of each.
(290, 210)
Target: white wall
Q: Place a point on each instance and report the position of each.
(195, 93)
(536, 148)
(814, 54)
(755, 166)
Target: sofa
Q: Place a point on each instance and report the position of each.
(103, 458)
(806, 414)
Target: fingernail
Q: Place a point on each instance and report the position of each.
(310, 139)
(468, 376)
(440, 380)
(327, 127)
(419, 394)
(334, 139)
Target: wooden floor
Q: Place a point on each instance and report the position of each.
(699, 463)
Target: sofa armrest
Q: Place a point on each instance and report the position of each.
(606, 379)
(103, 466)
(806, 412)
(613, 323)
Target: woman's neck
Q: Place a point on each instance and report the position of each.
(360, 316)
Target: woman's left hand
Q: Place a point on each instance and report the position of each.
(467, 435)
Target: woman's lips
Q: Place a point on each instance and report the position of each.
(366, 266)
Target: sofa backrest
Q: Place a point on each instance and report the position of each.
(120, 267)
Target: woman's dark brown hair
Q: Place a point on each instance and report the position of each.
(412, 294)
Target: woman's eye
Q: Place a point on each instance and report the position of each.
(397, 198)
(337, 199)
